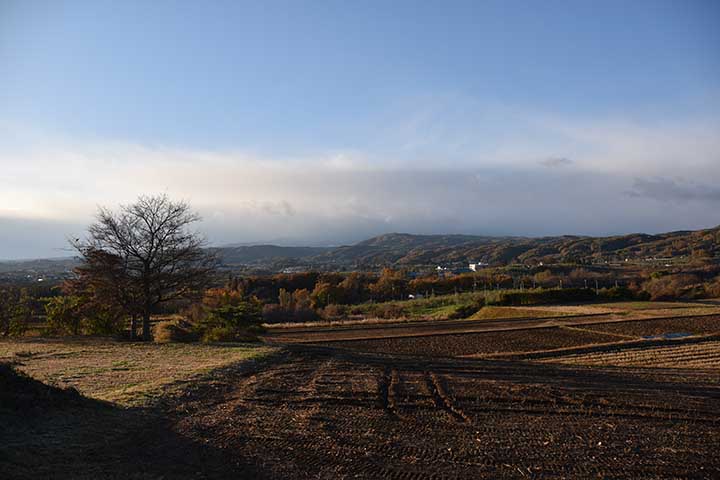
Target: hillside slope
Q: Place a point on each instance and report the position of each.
(405, 249)
(253, 254)
(402, 249)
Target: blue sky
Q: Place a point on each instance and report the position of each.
(324, 122)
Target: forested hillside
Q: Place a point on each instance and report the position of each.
(404, 249)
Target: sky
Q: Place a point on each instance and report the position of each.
(322, 123)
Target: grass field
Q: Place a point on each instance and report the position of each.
(492, 312)
(121, 372)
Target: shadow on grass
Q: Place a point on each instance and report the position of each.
(53, 433)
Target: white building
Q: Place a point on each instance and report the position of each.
(477, 266)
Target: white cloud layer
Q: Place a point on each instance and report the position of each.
(606, 177)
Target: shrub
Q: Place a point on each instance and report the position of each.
(464, 311)
(390, 310)
(670, 287)
(103, 322)
(618, 293)
(226, 334)
(194, 313)
(712, 289)
(15, 311)
(304, 315)
(335, 311)
(74, 315)
(220, 334)
(64, 315)
(172, 331)
(232, 322)
(540, 296)
(274, 313)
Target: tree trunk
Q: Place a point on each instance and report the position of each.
(133, 327)
(146, 326)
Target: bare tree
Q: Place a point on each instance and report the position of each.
(144, 255)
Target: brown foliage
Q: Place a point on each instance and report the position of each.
(670, 287)
(174, 331)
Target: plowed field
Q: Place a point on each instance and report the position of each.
(526, 400)
(326, 414)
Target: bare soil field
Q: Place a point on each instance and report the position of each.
(328, 414)
(645, 328)
(526, 340)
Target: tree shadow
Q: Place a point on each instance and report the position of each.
(48, 432)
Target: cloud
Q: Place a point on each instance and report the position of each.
(554, 162)
(667, 190)
(476, 179)
(282, 208)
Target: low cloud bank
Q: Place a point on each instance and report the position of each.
(550, 177)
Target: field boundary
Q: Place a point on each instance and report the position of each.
(541, 323)
(423, 323)
(599, 348)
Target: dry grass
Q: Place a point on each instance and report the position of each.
(121, 372)
(675, 312)
(705, 355)
(173, 331)
(645, 305)
(631, 308)
(590, 309)
(495, 313)
(340, 323)
(350, 321)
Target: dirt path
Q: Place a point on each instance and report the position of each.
(322, 413)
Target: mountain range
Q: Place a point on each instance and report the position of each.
(403, 249)
(408, 250)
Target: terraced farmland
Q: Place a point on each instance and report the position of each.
(647, 328)
(703, 354)
(478, 344)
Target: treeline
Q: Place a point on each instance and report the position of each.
(318, 290)
(144, 259)
(21, 307)
(236, 310)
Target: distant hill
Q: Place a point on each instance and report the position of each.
(49, 270)
(54, 265)
(259, 254)
(406, 250)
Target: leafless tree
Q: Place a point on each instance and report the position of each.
(144, 255)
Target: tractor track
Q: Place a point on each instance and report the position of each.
(325, 413)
